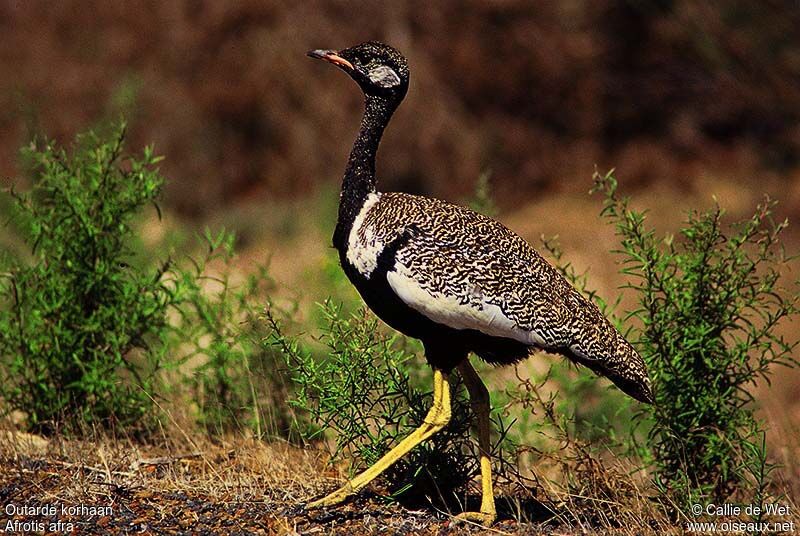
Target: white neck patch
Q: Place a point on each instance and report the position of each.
(384, 76)
(363, 253)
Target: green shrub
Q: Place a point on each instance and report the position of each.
(366, 389)
(78, 319)
(710, 303)
(95, 330)
(215, 342)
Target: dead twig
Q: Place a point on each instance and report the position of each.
(163, 460)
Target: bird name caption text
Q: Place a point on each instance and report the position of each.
(763, 518)
(50, 517)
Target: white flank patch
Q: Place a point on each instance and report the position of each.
(363, 254)
(488, 318)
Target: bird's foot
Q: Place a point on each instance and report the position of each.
(332, 499)
(484, 518)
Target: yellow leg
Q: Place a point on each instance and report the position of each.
(436, 419)
(479, 398)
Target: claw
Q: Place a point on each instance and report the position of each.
(332, 499)
(483, 518)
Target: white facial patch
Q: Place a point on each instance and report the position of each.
(384, 76)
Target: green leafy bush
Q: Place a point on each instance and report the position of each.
(361, 388)
(78, 319)
(710, 304)
(215, 342)
(95, 331)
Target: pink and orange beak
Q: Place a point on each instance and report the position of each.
(330, 56)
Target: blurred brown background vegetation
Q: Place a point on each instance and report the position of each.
(536, 92)
(687, 99)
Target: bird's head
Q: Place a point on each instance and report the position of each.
(379, 69)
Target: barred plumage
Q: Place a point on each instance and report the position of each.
(467, 271)
(457, 280)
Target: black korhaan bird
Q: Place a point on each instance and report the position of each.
(457, 280)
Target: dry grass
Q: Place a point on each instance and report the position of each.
(242, 485)
(236, 485)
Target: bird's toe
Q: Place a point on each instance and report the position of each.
(332, 499)
(484, 518)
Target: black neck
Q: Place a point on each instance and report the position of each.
(359, 175)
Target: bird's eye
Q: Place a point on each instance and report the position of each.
(383, 76)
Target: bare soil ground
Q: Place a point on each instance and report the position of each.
(244, 486)
(233, 487)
